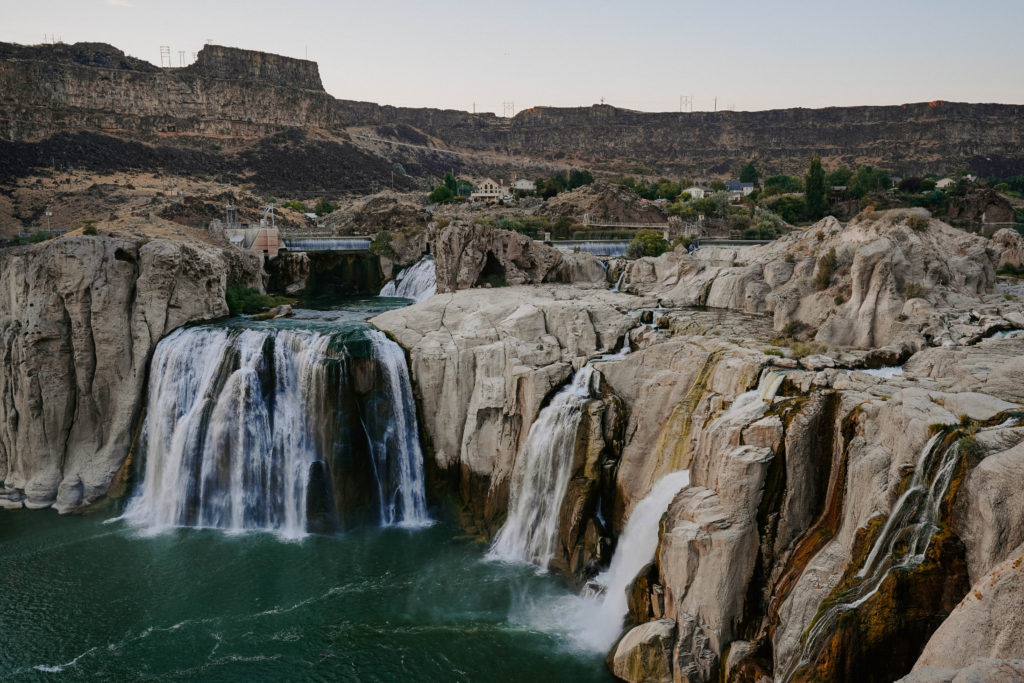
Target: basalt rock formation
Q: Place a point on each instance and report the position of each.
(220, 115)
(79, 319)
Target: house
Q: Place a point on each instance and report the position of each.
(487, 191)
(697, 191)
(944, 183)
(738, 190)
(524, 185)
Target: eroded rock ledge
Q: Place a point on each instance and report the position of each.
(79, 319)
(787, 494)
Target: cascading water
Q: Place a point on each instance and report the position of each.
(261, 428)
(593, 620)
(901, 545)
(541, 476)
(399, 479)
(618, 283)
(417, 282)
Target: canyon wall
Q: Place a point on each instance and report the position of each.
(796, 552)
(240, 96)
(79, 319)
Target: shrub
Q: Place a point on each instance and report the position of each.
(295, 206)
(647, 243)
(89, 228)
(39, 236)
(917, 223)
(249, 300)
(839, 300)
(773, 352)
(800, 349)
(381, 245)
(913, 290)
(682, 241)
(826, 269)
(1011, 270)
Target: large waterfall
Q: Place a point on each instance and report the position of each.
(289, 430)
(541, 476)
(417, 282)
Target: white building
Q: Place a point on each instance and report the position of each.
(944, 183)
(487, 191)
(524, 185)
(697, 192)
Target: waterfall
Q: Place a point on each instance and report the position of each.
(618, 283)
(541, 475)
(406, 504)
(603, 617)
(594, 619)
(901, 545)
(239, 428)
(417, 282)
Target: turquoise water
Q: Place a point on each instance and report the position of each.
(86, 600)
(91, 598)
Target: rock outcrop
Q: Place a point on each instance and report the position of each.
(873, 283)
(79, 319)
(792, 476)
(475, 255)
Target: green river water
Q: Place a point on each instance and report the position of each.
(84, 598)
(93, 598)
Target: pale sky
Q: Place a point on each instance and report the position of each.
(749, 54)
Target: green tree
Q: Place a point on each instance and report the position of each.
(814, 192)
(867, 180)
(647, 243)
(579, 179)
(718, 186)
(324, 207)
(840, 176)
(451, 183)
(748, 174)
(782, 184)
(440, 194)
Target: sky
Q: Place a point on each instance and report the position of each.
(746, 55)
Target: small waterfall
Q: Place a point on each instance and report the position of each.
(417, 282)
(618, 283)
(242, 427)
(594, 619)
(602, 623)
(541, 475)
(901, 545)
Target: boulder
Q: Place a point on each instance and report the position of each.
(644, 655)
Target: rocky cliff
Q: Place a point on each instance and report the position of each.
(875, 282)
(79, 319)
(232, 98)
(835, 517)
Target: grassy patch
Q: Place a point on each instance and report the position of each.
(249, 300)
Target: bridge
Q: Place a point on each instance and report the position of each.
(299, 242)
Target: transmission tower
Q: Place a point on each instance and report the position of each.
(510, 109)
(181, 58)
(685, 103)
(165, 56)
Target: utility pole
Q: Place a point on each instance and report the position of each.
(716, 102)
